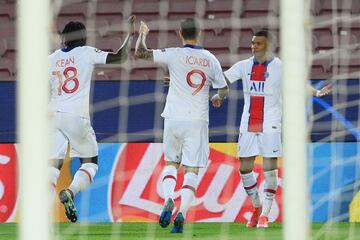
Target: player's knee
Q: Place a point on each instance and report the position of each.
(90, 169)
(246, 164)
(57, 163)
(89, 160)
(54, 174)
(188, 169)
(269, 164)
(174, 164)
(245, 169)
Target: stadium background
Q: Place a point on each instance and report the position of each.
(228, 27)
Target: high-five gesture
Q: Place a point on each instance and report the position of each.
(141, 50)
(122, 54)
(144, 29)
(131, 24)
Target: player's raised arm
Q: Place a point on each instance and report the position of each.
(141, 50)
(123, 52)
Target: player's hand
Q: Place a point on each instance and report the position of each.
(166, 81)
(217, 100)
(131, 24)
(143, 28)
(324, 91)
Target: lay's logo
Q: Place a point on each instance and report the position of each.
(135, 191)
(8, 182)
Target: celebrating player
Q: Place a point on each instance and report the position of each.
(260, 128)
(71, 68)
(192, 71)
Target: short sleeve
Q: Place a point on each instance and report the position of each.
(97, 56)
(219, 80)
(234, 73)
(161, 55)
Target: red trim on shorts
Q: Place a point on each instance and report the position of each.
(189, 187)
(270, 190)
(250, 187)
(169, 176)
(87, 173)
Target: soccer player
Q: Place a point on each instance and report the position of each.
(260, 128)
(71, 68)
(186, 115)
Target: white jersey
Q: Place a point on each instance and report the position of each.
(262, 94)
(70, 78)
(192, 71)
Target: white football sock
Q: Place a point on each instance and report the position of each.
(188, 192)
(53, 175)
(249, 183)
(169, 181)
(269, 190)
(83, 177)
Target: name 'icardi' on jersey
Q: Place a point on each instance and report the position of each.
(192, 71)
(70, 77)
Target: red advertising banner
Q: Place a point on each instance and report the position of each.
(8, 182)
(128, 186)
(136, 194)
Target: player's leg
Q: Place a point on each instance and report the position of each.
(271, 175)
(82, 179)
(54, 172)
(195, 154)
(83, 142)
(168, 185)
(250, 185)
(187, 194)
(172, 154)
(58, 150)
(84, 175)
(247, 150)
(169, 180)
(188, 188)
(271, 150)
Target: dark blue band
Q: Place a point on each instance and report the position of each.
(193, 46)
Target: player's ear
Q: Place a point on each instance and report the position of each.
(180, 35)
(200, 36)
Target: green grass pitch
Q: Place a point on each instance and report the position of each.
(196, 231)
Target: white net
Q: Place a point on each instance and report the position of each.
(127, 101)
(334, 151)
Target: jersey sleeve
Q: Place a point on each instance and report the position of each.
(234, 73)
(219, 80)
(97, 56)
(162, 55)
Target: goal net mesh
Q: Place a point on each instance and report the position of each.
(127, 100)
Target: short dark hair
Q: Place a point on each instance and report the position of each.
(264, 33)
(74, 34)
(189, 28)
